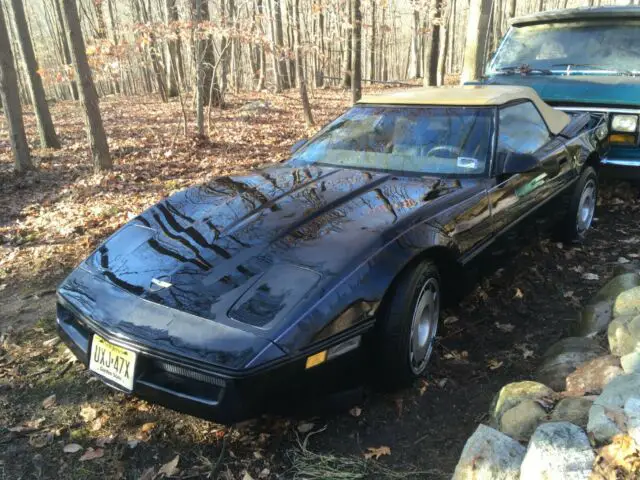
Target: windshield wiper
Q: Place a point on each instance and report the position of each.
(615, 71)
(522, 70)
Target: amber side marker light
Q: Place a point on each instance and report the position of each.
(622, 138)
(317, 359)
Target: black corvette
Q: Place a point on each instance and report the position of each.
(224, 297)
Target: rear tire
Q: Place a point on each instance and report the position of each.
(406, 329)
(581, 208)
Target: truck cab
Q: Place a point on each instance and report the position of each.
(581, 60)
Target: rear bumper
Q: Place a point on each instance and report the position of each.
(209, 394)
(621, 168)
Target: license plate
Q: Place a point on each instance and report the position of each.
(112, 362)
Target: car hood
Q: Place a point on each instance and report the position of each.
(594, 90)
(246, 253)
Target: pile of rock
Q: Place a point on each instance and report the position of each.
(585, 401)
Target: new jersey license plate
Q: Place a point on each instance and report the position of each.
(112, 362)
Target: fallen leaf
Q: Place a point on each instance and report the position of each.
(442, 382)
(494, 364)
(450, 320)
(355, 411)
(88, 413)
(377, 452)
(169, 469)
(147, 427)
(39, 441)
(505, 327)
(247, 476)
(49, 402)
(92, 454)
(305, 427)
(623, 260)
(99, 422)
(148, 474)
(518, 294)
(72, 448)
(423, 386)
(133, 443)
(591, 276)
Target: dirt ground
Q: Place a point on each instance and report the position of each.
(48, 404)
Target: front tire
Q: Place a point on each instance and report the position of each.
(407, 327)
(582, 207)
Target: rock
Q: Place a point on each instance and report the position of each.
(572, 344)
(555, 368)
(627, 303)
(521, 421)
(603, 413)
(624, 335)
(616, 286)
(594, 318)
(573, 410)
(632, 412)
(631, 267)
(557, 450)
(597, 314)
(489, 455)
(631, 362)
(513, 393)
(593, 375)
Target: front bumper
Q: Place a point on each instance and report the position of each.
(621, 168)
(203, 392)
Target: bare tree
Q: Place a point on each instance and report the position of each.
(46, 131)
(477, 36)
(372, 47)
(88, 95)
(356, 68)
(174, 67)
(11, 101)
(347, 58)
(279, 39)
(66, 53)
(432, 49)
(302, 84)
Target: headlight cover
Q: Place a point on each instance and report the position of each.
(624, 123)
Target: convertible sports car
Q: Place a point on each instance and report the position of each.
(226, 297)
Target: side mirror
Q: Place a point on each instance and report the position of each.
(518, 163)
(296, 146)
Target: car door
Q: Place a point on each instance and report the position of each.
(521, 129)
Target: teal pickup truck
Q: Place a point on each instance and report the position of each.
(581, 60)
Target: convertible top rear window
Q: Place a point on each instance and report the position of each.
(423, 140)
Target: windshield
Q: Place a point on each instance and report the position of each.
(423, 140)
(584, 47)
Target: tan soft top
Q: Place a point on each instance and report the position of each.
(472, 96)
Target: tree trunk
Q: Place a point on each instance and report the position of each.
(372, 43)
(46, 131)
(11, 101)
(356, 80)
(65, 49)
(275, 54)
(198, 11)
(511, 9)
(282, 61)
(432, 49)
(212, 93)
(173, 69)
(414, 70)
(476, 42)
(346, 69)
(302, 84)
(88, 95)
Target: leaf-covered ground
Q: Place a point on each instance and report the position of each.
(56, 421)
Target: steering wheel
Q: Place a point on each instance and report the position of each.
(446, 151)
